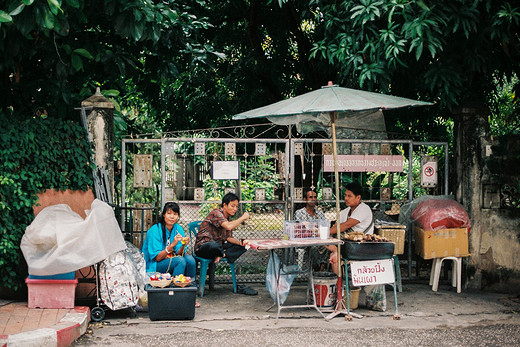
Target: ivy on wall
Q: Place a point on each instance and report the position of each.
(37, 154)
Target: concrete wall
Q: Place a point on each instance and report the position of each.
(78, 201)
(494, 240)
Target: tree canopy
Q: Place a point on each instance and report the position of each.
(448, 52)
(54, 53)
(193, 64)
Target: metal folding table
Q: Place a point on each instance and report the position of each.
(273, 244)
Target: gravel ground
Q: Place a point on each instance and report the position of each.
(490, 335)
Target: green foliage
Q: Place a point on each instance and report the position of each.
(447, 52)
(400, 188)
(399, 183)
(37, 154)
(444, 50)
(259, 173)
(54, 53)
(504, 118)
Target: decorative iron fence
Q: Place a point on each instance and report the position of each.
(268, 174)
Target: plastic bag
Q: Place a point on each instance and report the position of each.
(432, 213)
(376, 297)
(59, 240)
(435, 214)
(287, 275)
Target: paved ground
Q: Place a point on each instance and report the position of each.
(443, 318)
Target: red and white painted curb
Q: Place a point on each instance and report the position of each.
(63, 333)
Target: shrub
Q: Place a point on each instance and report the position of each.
(37, 154)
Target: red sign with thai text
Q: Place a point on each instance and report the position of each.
(364, 163)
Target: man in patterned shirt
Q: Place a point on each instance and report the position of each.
(215, 238)
(309, 211)
(319, 255)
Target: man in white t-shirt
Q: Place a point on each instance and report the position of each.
(356, 217)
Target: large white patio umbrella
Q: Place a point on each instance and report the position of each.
(327, 107)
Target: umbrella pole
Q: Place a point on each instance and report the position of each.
(340, 307)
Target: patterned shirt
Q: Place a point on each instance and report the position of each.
(211, 229)
(303, 215)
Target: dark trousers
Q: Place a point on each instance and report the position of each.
(212, 249)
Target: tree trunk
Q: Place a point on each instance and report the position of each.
(471, 136)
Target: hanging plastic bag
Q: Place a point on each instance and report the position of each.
(286, 275)
(376, 297)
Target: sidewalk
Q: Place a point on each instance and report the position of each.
(21, 326)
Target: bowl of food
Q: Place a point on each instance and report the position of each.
(181, 281)
(160, 280)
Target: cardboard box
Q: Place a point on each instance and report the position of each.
(431, 244)
(395, 235)
(44, 293)
(171, 303)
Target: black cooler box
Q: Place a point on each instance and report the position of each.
(171, 303)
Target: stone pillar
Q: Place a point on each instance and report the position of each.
(100, 124)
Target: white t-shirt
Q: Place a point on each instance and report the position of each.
(362, 213)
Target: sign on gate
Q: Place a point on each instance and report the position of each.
(429, 171)
(225, 170)
(370, 272)
(364, 163)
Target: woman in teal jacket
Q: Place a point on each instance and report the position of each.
(165, 245)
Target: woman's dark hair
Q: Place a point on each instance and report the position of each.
(228, 198)
(355, 188)
(168, 206)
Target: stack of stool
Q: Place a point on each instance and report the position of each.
(456, 272)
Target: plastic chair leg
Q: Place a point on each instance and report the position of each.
(207, 269)
(395, 297)
(432, 273)
(202, 278)
(233, 276)
(345, 283)
(457, 270)
(454, 268)
(437, 265)
(397, 269)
